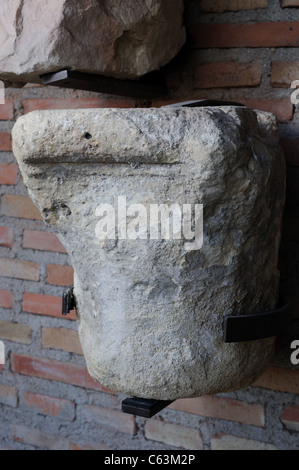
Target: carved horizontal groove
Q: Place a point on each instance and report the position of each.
(135, 163)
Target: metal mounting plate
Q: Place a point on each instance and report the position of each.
(149, 86)
(203, 103)
(258, 325)
(143, 407)
(68, 301)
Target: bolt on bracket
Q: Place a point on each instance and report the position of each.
(68, 301)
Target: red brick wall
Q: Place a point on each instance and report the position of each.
(244, 50)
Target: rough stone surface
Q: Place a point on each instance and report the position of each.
(107, 37)
(149, 311)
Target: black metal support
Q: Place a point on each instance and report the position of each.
(68, 301)
(202, 103)
(259, 325)
(149, 86)
(143, 407)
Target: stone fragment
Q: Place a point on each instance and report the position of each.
(150, 309)
(106, 37)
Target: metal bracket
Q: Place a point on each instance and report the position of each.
(149, 86)
(202, 103)
(258, 325)
(143, 407)
(68, 301)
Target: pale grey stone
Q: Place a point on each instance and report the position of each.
(228, 442)
(149, 311)
(107, 37)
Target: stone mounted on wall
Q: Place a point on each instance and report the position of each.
(150, 311)
(106, 37)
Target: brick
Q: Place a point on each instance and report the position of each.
(227, 442)
(8, 396)
(173, 435)
(37, 438)
(174, 78)
(60, 275)
(6, 299)
(223, 408)
(61, 338)
(289, 3)
(115, 420)
(53, 370)
(291, 151)
(227, 74)
(48, 305)
(224, 35)
(219, 6)
(88, 446)
(290, 417)
(283, 109)
(279, 379)
(16, 332)
(76, 103)
(284, 73)
(5, 142)
(6, 237)
(16, 269)
(8, 173)
(52, 406)
(19, 206)
(7, 111)
(43, 241)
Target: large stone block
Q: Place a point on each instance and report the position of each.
(108, 37)
(150, 307)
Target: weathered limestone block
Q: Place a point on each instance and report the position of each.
(106, 37)
(150, 310)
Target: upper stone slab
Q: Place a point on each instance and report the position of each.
(107, 37)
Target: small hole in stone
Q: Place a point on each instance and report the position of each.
(87, 136)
